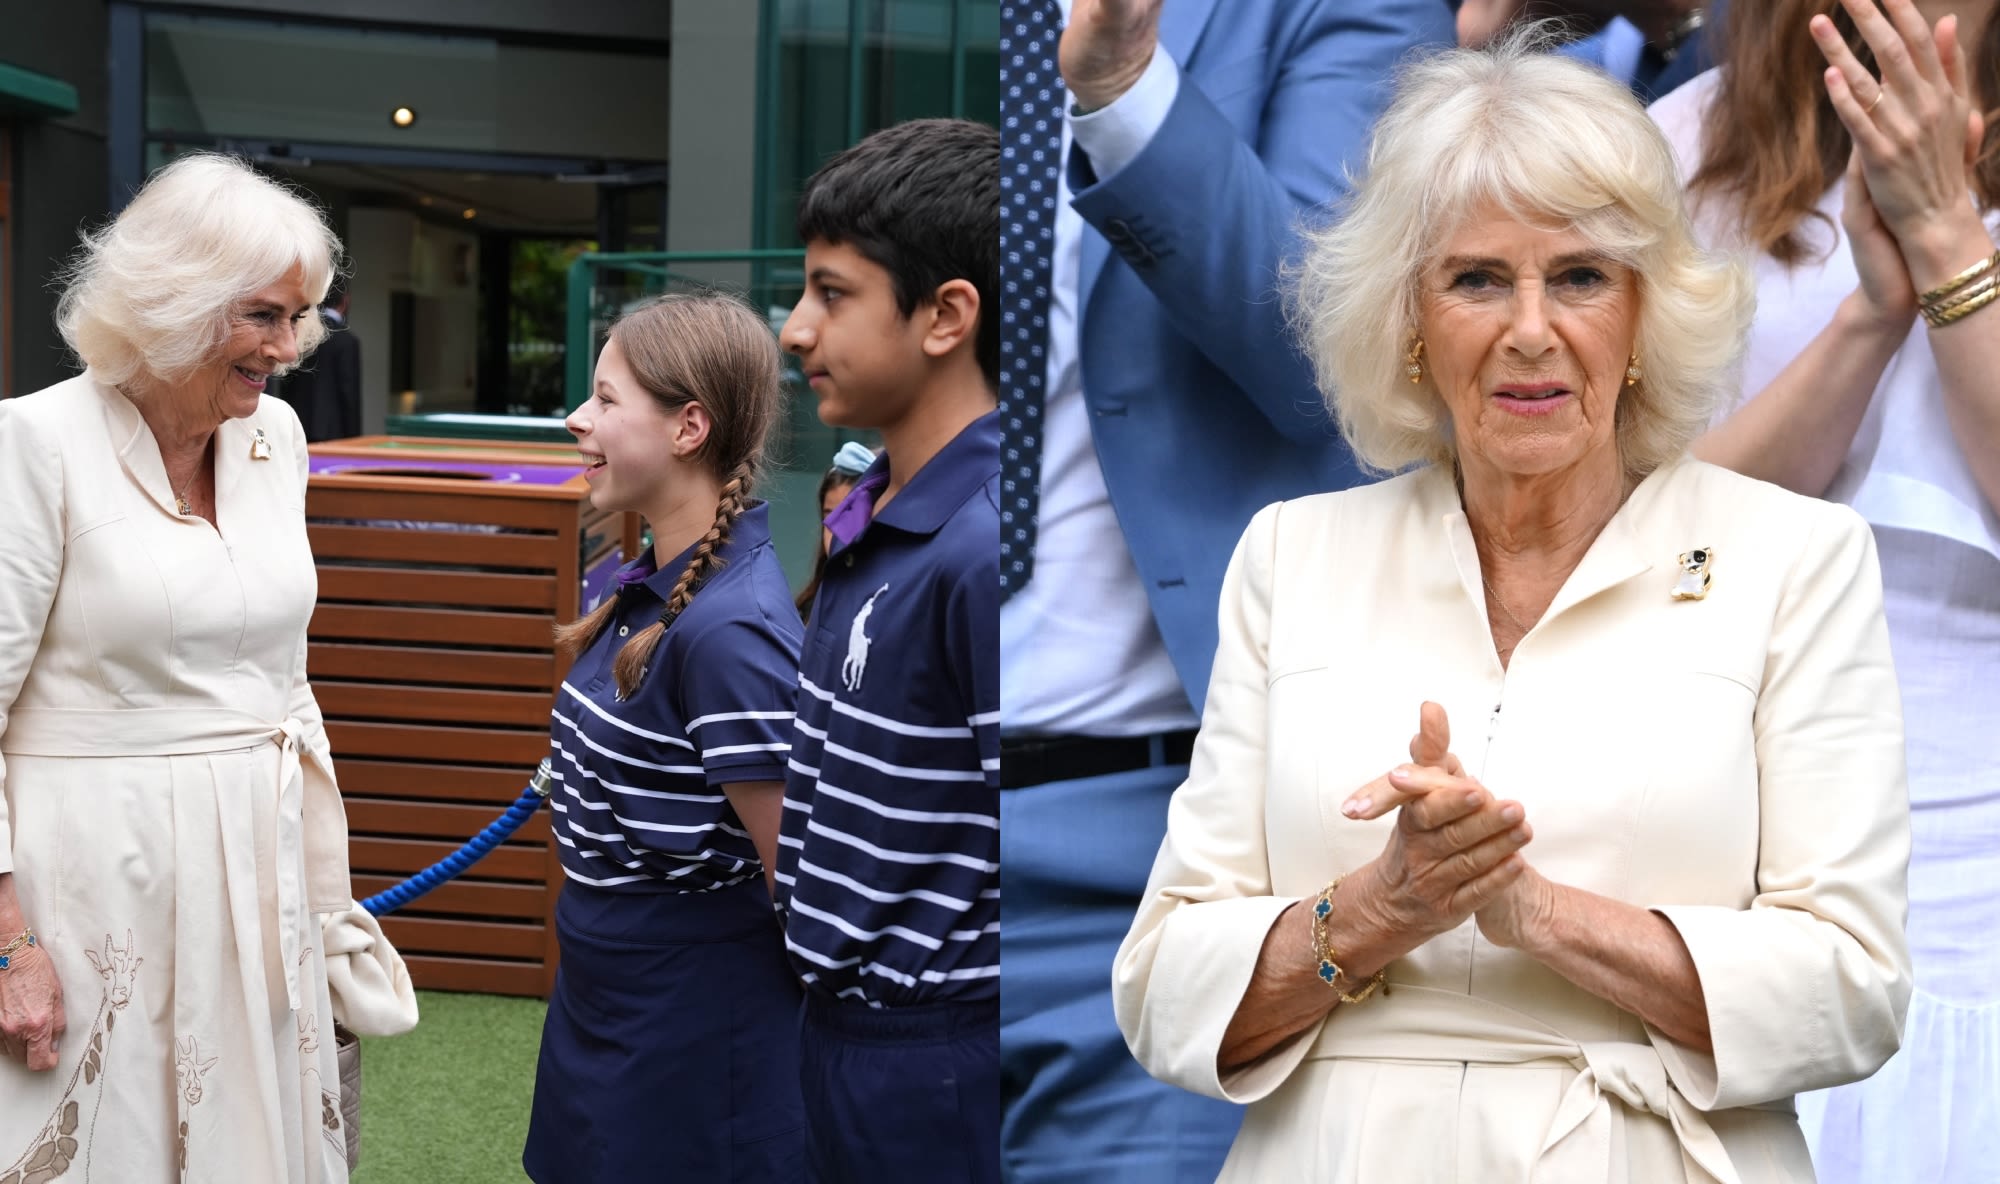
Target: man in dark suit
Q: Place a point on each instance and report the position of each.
(1158, 158)
(326, 388)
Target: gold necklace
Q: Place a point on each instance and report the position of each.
(187, 510)
(1504, 610)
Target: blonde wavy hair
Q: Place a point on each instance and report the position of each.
(150, 295)
(1556, 144)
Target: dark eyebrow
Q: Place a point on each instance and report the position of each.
(821, 274)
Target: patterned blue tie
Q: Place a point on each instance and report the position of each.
(1031, 99)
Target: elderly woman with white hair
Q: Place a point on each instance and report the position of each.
(1657, 886)
(169, 823)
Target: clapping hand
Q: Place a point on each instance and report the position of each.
(1454, 848)
(1915, 134)
(1105, 47)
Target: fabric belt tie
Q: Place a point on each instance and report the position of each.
(1426, 1024)
(139, 732)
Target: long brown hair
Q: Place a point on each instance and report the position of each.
(1774, 145)
(710, 349)
(810, 592)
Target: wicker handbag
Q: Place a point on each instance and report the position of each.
(347, 1049)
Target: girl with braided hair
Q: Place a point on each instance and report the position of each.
(670, 1048)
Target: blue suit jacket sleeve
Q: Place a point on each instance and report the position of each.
(1208, 213)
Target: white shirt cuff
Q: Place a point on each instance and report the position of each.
(1114, 136)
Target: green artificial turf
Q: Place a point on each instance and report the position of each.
(448, 1102)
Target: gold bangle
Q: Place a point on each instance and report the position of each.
(1959, 311)
(1982, 284)
(27, 938)
(1941, 313)
(1329, 970)
(1960, 280)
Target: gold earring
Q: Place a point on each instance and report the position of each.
(1632, 372)
(1415, 365)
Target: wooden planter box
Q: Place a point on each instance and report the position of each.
(443, 568)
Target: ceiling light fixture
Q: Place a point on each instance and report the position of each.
(402, 117)
(469, 212)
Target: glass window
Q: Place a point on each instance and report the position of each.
(836, 70)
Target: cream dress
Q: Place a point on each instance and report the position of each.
(168, 810)
(1734, 763)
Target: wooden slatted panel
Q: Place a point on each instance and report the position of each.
(528, 709)
(454, 626)
(439, 820)
(475, 898)
(405, 663)
(407, 857)
(433, 547)
(437, 699)
(517, 750)
(435, 935)
(470, 974)
(487, 786)
(418, 501)
(388, 585)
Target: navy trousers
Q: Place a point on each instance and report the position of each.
(670, 1052)
(900, 1094)
(1074, 858)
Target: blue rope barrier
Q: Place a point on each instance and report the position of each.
(451, 866)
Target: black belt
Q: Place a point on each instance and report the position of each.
(1038, 760)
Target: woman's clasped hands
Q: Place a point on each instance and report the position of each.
(1455, 850)
(1916, 132)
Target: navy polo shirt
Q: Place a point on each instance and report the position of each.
(638, 783)
(889, 856)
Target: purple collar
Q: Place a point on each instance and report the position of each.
(857, 509)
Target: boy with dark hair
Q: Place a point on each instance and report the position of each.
(888, 865)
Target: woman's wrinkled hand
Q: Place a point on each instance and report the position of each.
(31, 1009)
(1454, 848)
(1915, 130)
(1520, 911)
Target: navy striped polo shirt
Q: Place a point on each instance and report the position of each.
(889, 854)
(638, 783)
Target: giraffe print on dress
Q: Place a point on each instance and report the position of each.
(190, 1068)
(329, 1101)
(54, 1150)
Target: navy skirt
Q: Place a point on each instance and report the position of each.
(671, 1047)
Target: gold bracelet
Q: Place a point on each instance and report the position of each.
(27, 938)
(1960, 280)
(1964, 308)
(1965, 293)
(1329, 971)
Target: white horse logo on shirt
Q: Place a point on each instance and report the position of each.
(856, 664)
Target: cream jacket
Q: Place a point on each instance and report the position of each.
(1734, 763)
(87, 670)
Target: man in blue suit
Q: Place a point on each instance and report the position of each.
(1153, 401)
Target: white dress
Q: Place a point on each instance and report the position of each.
(1931, 1114)
(167, 810)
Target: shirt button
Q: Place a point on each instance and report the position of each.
(624, 629)
(849, 559)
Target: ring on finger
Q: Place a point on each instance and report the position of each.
(1881, 92)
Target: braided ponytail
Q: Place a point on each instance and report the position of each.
(630, 666)
(711, 349)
